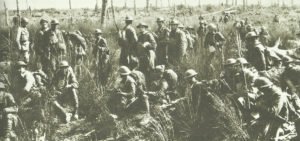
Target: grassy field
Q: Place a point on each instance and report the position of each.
(93, 100)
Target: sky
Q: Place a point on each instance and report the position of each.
(64, 4)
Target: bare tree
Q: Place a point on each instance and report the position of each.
(104, 6)
(169, 5)
(6, 15)
(96, 6)
(125, 3)
(134, 5)
(18, 10)
(292, 3)
(199, 3)
(226, 2)
(147, 5)
(70, 4)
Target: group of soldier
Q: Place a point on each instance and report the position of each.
(262, 86)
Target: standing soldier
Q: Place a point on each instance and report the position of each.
(101, 53)
(22, 40)
(65, 85)
(128, 40)
(162, 42)
(56, 48)
(177, 44)
(39, 43)
(214, 41)
(255, 51)
(264, 36)
(202, 32)
(8, 113)
(146, 49)
(192, 39)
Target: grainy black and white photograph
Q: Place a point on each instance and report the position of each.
(149, 70)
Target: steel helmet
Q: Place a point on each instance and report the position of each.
(251, 34)
(98, 31)
(230, 61)
(262, 82)
(2, 85)
(174, 22)
(160, 19)
(21, 63)
(43, 21)
(128, 18)
(190, 73)
(54, 22)
(24, 20)
(242, 60)
(212, 27)
(180, 26)
(142, 24)
(160, 68)
(124, 70)
(63, 64)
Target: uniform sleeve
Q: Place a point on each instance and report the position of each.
(182, 43)
(30, 81)
(72, 78)
(18, 37)
(131, 36)
(152, 42)
(261, 60)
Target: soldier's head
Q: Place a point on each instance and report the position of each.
(44, 23)
(54, 24)
(298, 34)
(160, 21)
(98, 32)
(174, 24)
(242, 61)
(142, 27)
(24, 22)
(159, 71)
(63, 66)
(128, 20)
(190, 29)
(249, 28)
(124, 72)
(262, 84)
(190, 76)
(230, 66)
(251, 37)
(16, 21)
(181, 26)
(21, 66)
(212, 28)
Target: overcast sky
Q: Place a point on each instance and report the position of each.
(64, 4)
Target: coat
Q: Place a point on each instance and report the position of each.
(62, 79)
(127, 42)
(163, 34)
(177, 45)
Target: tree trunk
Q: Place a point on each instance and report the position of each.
(156, 3)
(104, 5)
(134, 5)
(199, 3)
(236, 3)
(226, 3)
(169, 5)
(96, 6)
(147, 5)
(125, 4)
(292, 3)
(6, 15)
(18, 10)
(70, 4)
(244, 4)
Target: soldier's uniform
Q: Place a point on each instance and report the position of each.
(162, 44)
(146, 50)
(101, 53)
(22, 40)
(65, 83)
(39, 44)
(264, 36)
(55, 48)
(202, 30)
(256, 52)
(128, 40)
(177, 45)
(8, 118)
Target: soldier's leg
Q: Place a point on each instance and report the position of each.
(62, 111)
(26, 56)
(9, 128)
(76, 103)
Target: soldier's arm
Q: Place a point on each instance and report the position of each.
(151, 45)
(132, 90)
(183, 42)
(11, 105)
(29, 82)
(18, 38)
(74, 82)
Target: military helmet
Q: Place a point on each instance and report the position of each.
(128, 18)
(142, 24)
(21, 63)
(98, 31)
(160, 19)
(190, 27)
(181, 26)
(160, 68)
(174, 22)
(262, 82)
(124, 70)
(242, 60)
(24, 20)
(63, 64)
(190, 73)
(43, 21)
(251, 34)
(298, 33)
(54, 22)
(230, 61)
(2, 85)
(212, 27)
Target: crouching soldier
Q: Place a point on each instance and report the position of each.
(8, 119)
(65, 85)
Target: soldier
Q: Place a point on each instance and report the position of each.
(101, 53)
(191, 38)
(214, 41)
(273, 106)
(146, 49)
(255, 52)
(276, 19)
(177, 44)
(162, 33)
(128, 41)
(202, 30)
(56, 47)
(8, 113)
(13, 35)
(264, 36)
(22, 40)
(65, 85)
(39, 43)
